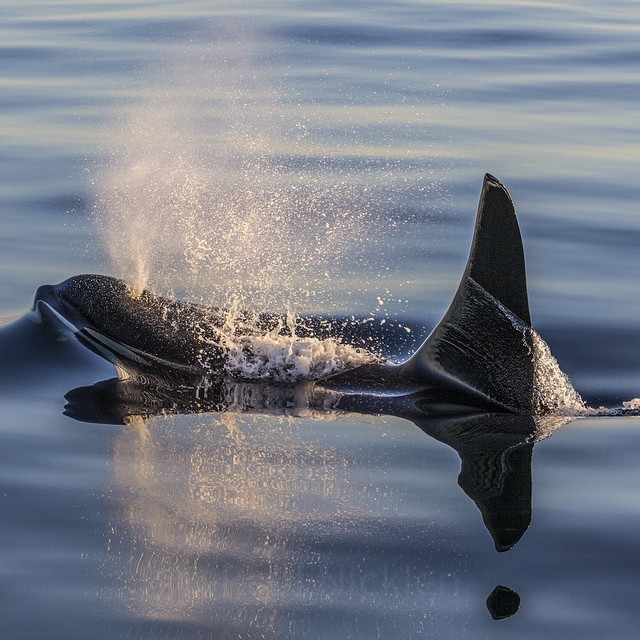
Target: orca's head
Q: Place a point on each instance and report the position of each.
(135, 329)
(82, 301)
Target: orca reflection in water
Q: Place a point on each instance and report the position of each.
(483, 355)
(495, 449)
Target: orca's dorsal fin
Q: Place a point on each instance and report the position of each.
(496, 259)
(482, 346)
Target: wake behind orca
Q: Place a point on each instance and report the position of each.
(483, 355)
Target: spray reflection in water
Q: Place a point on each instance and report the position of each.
(262, 524)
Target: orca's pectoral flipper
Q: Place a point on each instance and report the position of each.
(482, 347)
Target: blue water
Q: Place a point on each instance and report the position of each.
(383, 117)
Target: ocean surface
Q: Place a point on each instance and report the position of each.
(319, 157)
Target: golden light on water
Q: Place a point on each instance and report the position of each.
(206, 509)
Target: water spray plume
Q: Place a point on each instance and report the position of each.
(201, 197)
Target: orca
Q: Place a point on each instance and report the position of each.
(495, 449)
(482, 356)
(483, 382)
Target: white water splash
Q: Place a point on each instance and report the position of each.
(279, 354)
(553, 392)
(280, 358)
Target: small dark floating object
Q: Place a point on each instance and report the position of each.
(503, 603)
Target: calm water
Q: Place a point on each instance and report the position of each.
(329, 157)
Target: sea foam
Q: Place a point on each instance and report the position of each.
(553, 391)
(281, 358)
